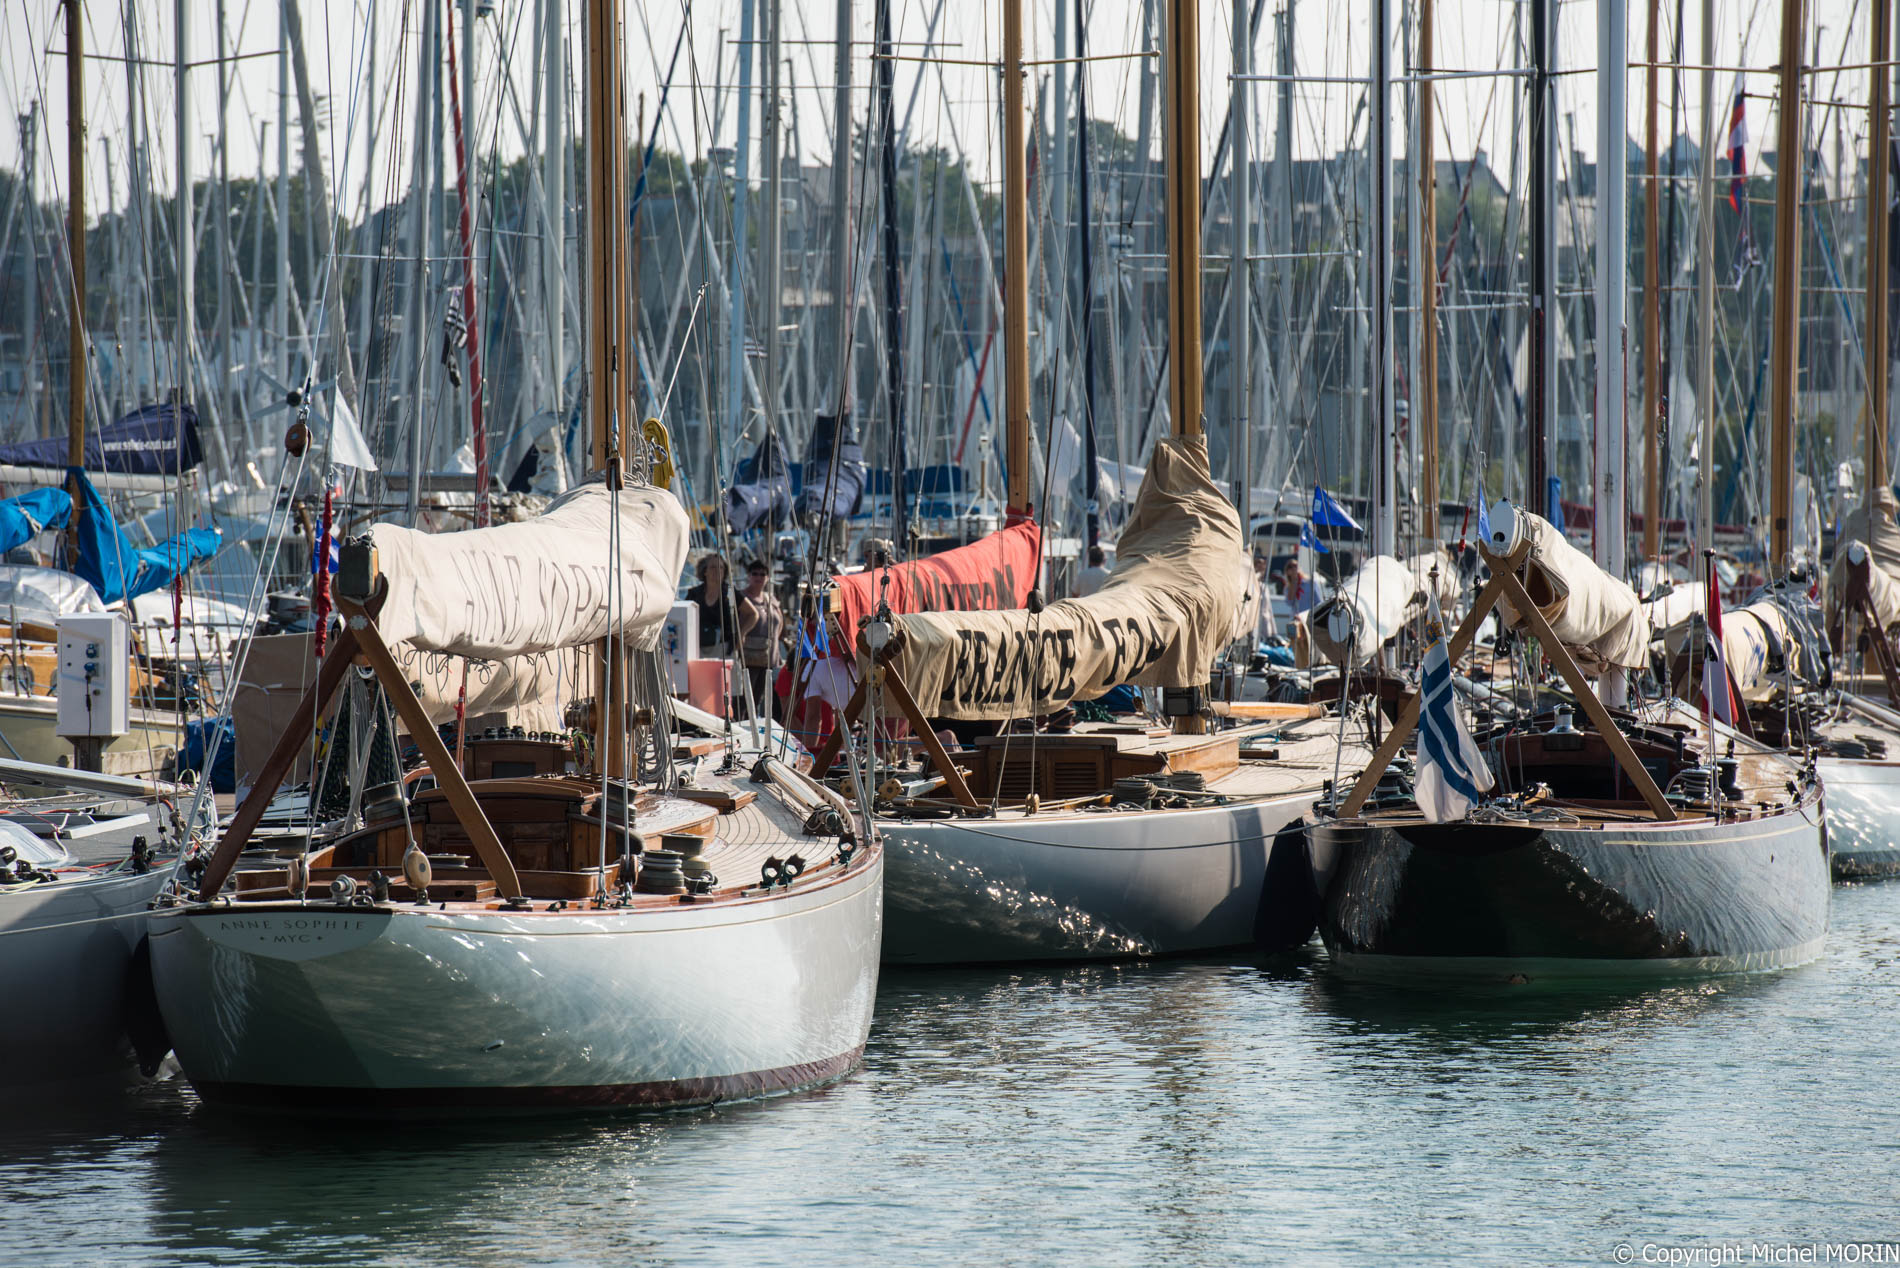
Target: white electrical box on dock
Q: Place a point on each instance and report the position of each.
(95, 674)
(679, 643)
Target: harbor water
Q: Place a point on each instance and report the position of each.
(1212, 1111)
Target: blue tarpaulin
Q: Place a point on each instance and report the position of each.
(155, 440)
(846, 489)
(761, 489)
(117, 569)
(23, 518)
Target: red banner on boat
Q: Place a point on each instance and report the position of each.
(991, 575)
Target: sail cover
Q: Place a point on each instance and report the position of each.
(1759, 646)
(838, 494)
(1369, 608)
(1878, 532)
(761, 489)
(154, 440)
(989, 575)
(539, 584)
(1592, 613)
(1175, 600)
(23, 518)
(112, 565)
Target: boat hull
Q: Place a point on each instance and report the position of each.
(1096, 886)
(408, 1008)
(1512, 901)
(71, 948)
(1863, 817)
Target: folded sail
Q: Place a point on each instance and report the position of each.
(1177, 597)
(1596, 616)
(1368, 609)
(994, 573)
(561, 579)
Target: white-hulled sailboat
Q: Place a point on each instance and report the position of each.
(651, 930)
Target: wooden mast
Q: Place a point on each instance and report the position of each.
(1785, 332)
(1878, 355)
(1015, 269)
(1183, 138)
(77, 371)
(1427, 261)
(610, 361)
(1652, 309)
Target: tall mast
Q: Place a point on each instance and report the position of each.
(282, 298)
(1544, 315)
(773, 265)
(76, 353)
(1240, 327)
(609, 330)
(893, 281)
(422, 190)
(1705, 290)
(1091, 470)
(1425, 266)
(1878, 283)
(1183, 138)
(1612, 250)
(1015, 267)
(1783, 348)
(185, 250)
(30, 233)
(1379, 301)
(732, 397)
(1652, 304)
(554, 190)
(843, 293)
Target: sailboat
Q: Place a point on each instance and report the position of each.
(626, 923)
(1100, 839)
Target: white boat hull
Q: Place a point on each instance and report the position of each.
(1863, 817)
(419, 1008)
(68, 948)
(1089, 886)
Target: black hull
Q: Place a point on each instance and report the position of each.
(1510, 902)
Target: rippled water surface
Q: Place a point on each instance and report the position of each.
(1203, 1112)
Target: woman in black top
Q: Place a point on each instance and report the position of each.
(710, 595)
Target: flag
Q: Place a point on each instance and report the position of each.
(1452, 775)
(347, 446)
(1328, 513)
(1718, 691)
(1738, 153)
(1310, 540)
(1484, 519)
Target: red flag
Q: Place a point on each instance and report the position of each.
(1718, 690)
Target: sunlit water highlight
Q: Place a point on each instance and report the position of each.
(1203, 1112)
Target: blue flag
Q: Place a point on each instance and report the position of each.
(1452, 774)
(1484, 519)
(1310, 540)
(1327, 512)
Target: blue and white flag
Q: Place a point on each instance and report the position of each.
(1310, 540)
(1328, 513)
(1452, 774)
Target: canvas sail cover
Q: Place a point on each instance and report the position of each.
(838, 494)
(1592, 613)
(1176, 598)
(1675, 608)
(761, 489)
(154, 440)
(1369, 608)
(1881, 536)
(540, 584)
(1755, 640)
(994, 573)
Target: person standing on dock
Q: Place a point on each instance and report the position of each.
(761, 621)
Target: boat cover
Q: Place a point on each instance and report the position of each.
(1369, 608)
(841, 495)
(1882, 538)
(155, 440)
(1176, 598)
(993, 573)
(25, 517)
(119, 570)
(1674, 608)
(761, 489)
(540, 584)
(1596, 616)
(1755, 641)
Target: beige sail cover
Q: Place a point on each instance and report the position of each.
(545, 583)
(1596, 616)
(1881, 536)
(1437, 573)
(1674, 608)
(1368, 609)
(1749, 637)
(1176, 598)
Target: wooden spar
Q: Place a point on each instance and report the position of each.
(448, 776)
(1785, 331)
(1878, 215)
(610, 359)
(77, 372)
(1183, 159)
(1428, 289)
(1015, 268)
(1652, 307)
(277, 767)
(1504, 584)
